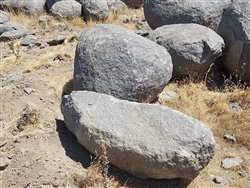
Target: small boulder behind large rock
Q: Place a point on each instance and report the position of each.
(95, 10)
(146, 140)
(67, 9)
(113, 60)
(193, 47)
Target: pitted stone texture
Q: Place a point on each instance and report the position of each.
(146, 140)
(113, 60)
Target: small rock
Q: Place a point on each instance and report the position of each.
(43, 45)
(4, 163)
(218, 179)
(28, 90)
(167, 96)
(1, 118)
(230, 137)
(29, 40)
(125, 20)
(59, 40)
(231, 162)
(242, 174)
(234, 106)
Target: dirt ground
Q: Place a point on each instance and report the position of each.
(37, 150)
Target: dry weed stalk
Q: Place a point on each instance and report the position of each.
(104, 164)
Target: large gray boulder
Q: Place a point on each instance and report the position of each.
(29, 6)
(110, 59)
(4, 17)
(95, 10)
(66, 9)
(235, 30)
(207, 13)
(145, 140)
(193, 47)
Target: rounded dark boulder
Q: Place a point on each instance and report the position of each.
(112, 60)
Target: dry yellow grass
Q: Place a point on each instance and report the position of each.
(212, 108)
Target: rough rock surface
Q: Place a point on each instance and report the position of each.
(116, 5)
(235, 30)
(4, 17)
(112, 60)
(29, 40)
(30, 6)
(193, 47)
(4, 28)
(15, 25)
(207, 13)
(95, 10)
(146, 140)
(12, 35)
(231, 162)
(66, 9)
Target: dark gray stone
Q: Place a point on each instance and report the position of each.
(231, 162)
(133, 3)
(95, 10)
(146, 140)
(29, 40)
(50, 3)
(193, 47)
(4, 17)
(12, 35)
(57, 41)
(207, 13)
(235, 30)
(110, 59)
(66, 9)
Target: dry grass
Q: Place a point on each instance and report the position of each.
(212, 108)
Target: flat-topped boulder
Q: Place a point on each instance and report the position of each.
(145, 140)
